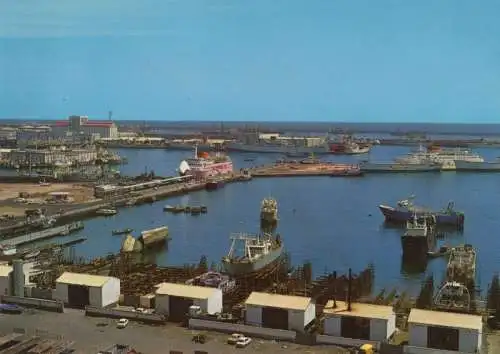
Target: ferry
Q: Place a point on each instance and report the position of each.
(445, 157)
(203, 165)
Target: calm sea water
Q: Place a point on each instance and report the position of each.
(333, 222)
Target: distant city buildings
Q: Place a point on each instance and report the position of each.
(82, 126)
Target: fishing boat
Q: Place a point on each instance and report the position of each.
(122, 231)
(31, 255)
(405, 210)
(259, 251)
(106, 212)
(346, 145)
(269, 211)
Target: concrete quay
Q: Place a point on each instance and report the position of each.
(302, 170)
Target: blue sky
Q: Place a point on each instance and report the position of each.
(287, 60)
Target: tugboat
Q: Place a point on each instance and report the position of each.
(214, 184)
(405, 209)
(258, 252)
(269, 212)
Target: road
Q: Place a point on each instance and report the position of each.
(89, 337)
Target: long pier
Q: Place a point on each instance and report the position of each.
(40, 235)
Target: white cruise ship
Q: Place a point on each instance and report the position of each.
(445, 157)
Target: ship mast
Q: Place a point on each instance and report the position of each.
(195, 151)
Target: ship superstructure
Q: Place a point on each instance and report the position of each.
(250, 253)
(418, 238)
(444, 157)
(203, 165)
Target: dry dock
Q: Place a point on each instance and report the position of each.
(297, 169)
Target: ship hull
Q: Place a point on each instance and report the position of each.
(214, 185)
(396, 215)
(477, 166)
(415, 248)
(398, 168)
(241, 268)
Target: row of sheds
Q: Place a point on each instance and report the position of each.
(428, 329)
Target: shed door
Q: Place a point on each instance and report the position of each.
(178, 307)
(78, 296)
(443, 338)
(274, 318)
(355, 327)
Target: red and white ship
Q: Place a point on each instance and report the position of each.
(204, 165)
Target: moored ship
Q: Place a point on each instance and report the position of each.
(204, 165)
(416, 241)
(405, 210)
(348, 146)
(394, 167)
(269, 212)
(484, 166)
(259, 251)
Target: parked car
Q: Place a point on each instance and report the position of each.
(11, 308)
(122, 323)
(233, 339)
(243, 342)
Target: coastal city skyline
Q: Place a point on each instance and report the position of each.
(251, 61)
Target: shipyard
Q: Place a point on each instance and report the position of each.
(245, 289)
(248, 177)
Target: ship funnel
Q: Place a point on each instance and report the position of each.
(18, 278)
(349, 290)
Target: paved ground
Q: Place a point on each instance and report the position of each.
(89, 337)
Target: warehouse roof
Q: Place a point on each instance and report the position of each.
(279, 301)
(381, 312)
(5, 270)
(83, 279)
(445, 319)
(186, 291)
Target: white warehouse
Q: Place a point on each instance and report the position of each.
(5, 279)
(80, 290)
(174, 300)
(444, 331)
(279, 311)
(361, 321)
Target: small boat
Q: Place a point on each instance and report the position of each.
(214, 185)
(250, 159)
(8, 250)
(350, 172)
(122, 232)
(106, 212)
(441, 252)
(196, 210)
(187, 209)
(203, 209)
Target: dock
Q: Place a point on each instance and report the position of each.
(305, 170)
(40, 235)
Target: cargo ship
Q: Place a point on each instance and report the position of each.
(405, 210)
(398, 167)
(204, 165)
(259, 251)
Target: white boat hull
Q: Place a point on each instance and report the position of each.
(477, 166)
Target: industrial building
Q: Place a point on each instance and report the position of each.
(5, 279)
(53, 157)
(445, 330)
(359, 321)
(81, 125)
(80, 290)
(174, 300)
(279, 311)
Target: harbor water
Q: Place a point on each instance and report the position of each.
(332, 222)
